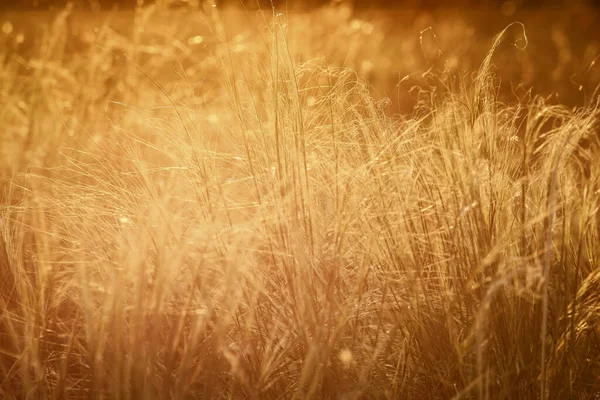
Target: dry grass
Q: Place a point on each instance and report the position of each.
(230, 216)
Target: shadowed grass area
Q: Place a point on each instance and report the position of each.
(206, 211)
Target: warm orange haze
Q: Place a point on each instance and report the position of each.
(332, 200)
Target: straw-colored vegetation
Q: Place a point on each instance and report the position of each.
(235, 214)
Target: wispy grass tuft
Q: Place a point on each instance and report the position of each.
(242, 220)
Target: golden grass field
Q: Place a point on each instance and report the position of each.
(218, 203)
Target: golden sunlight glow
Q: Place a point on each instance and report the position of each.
(256, 199)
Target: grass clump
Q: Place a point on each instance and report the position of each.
(269, 231)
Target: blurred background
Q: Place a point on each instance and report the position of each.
(395, 45)
(109, 4)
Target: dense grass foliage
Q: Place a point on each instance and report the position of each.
(231, 216)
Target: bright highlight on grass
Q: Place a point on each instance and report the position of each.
(215, 213)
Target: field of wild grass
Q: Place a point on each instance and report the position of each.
(217, 203)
